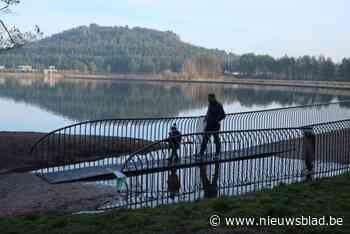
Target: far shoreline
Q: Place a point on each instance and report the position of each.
(340, 85)
(224, 80)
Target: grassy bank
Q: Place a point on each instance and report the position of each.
(326, 197)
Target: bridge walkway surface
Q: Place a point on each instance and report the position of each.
(140, 167)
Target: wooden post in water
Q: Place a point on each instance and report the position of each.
(309, 151)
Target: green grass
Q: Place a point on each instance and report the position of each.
(325, 197)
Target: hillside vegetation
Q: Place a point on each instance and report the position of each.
(139, 50)
(113, 49)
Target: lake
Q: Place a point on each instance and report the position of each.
(41, 104)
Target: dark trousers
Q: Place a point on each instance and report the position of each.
(206, 138)
(173, 153)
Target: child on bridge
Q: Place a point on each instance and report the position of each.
(174, 141)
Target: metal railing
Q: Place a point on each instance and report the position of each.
(248, 161)
(113, 138)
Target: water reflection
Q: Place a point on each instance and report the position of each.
(62, 101)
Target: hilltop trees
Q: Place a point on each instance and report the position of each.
(109, 49)
(138, 50)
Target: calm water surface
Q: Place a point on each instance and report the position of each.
(28, 104)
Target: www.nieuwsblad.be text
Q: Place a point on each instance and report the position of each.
(216, 221)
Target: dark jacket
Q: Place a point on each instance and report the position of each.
(214, 115)
(174, 139)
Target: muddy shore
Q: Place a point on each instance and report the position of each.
(25, 193)
(15, 150)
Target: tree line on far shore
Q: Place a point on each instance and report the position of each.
(124, 50)
(289, 68)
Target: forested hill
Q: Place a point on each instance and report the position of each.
(139, 50)
(109, 49)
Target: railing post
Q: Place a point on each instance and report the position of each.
(309, 145)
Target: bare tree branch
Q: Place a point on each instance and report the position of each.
(12, 37)
(8, 3)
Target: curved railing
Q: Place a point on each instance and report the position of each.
(233, 145)
(111, 138)
(249, 160)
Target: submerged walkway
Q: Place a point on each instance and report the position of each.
(144, 166)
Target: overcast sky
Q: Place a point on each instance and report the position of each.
(275, 27)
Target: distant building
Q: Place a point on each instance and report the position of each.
(25, 68)
(232, 73)
(2, 67)
(52, 69)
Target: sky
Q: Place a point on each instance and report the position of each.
(274, 27)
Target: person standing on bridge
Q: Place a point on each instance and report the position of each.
(174, 141)
(214, 116)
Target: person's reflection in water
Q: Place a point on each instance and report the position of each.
(210, 188)
(173, 182)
